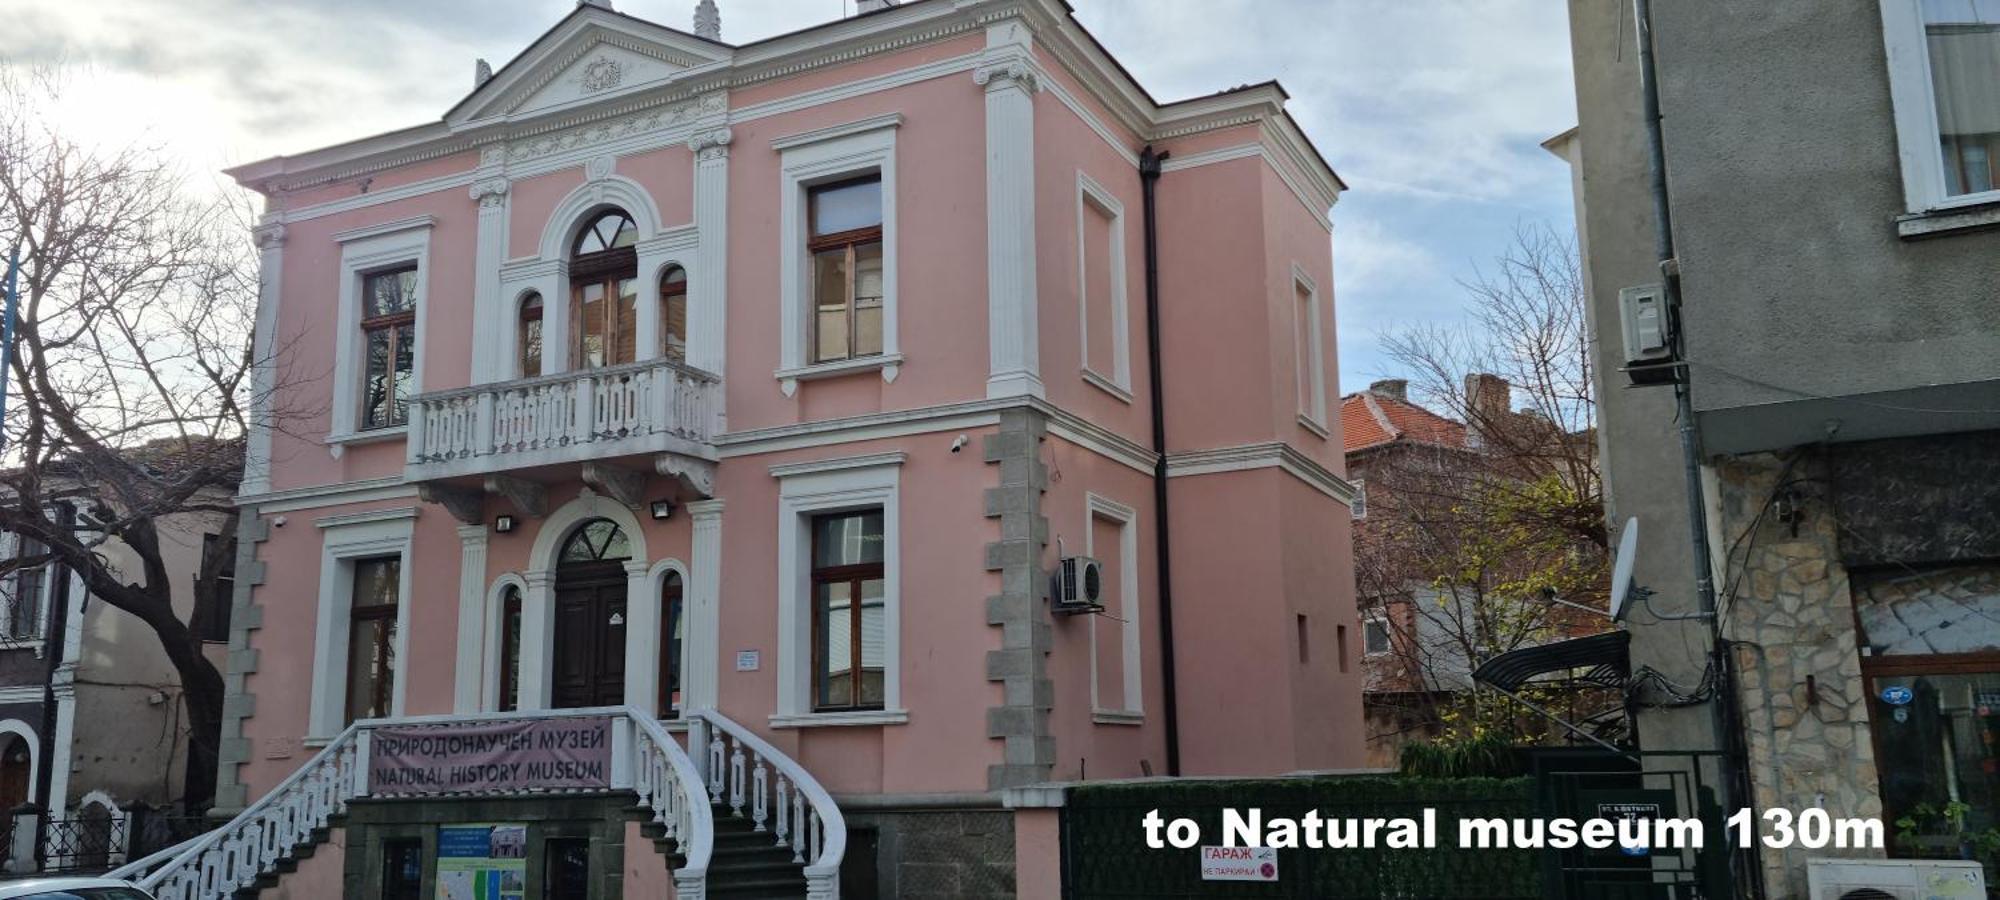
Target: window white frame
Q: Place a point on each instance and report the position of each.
(1132, 708)
(1359, 505)
(810, 489)
(1911, 93)
(344, 540)
(1368, 624)
(1312, 402)
(852, 150)
(1093, 198)
(363, 251)
(494, 633)
(10, 548)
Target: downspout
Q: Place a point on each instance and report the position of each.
(1723, 713)
(1149, 180)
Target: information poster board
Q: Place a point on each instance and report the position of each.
(482, 862)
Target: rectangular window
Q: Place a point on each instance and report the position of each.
(371, 641)
(1962, 40)
(1937, 749)
(848, 612)
(25, 589)
(1360, 507)
(605, 321)
(389, 333)
(216, 603)
(845, 242)
(1375, 636)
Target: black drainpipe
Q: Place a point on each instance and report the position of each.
(1149, 179)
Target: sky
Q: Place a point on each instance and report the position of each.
(1432, 111)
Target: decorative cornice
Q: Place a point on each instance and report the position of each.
(658, 119)
(1270, 454)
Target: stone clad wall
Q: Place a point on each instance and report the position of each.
(1788, 608)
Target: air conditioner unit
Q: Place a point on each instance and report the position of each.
(1895, 879)
(1077, 586)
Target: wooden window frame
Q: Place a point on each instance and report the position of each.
(401, 326)
(850, 241)
(853, 575)
(668, 291)
(385, 640)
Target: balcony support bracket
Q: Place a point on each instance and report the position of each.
(467, 505)
(530, 497)
(695, 477)
(621, 484)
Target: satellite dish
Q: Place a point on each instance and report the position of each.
(1621, 568)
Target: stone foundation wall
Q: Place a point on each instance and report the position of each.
(930, 853)
(1788, 607)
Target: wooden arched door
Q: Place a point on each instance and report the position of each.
(589, 667)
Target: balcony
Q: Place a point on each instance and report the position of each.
(569, 424)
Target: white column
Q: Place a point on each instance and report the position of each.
(493, 322)
(538, 622)
(642, 639)
(708, 285)
(704, 608)
(470, 674)
(65, 736)
(270, 238)
(1008, 74)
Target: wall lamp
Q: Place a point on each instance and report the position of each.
(503, 524)
(663, 509)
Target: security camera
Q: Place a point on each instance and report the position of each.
(278, 522)
(958, 443)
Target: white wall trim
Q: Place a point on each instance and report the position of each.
(295, 499)
(495, 628)
(1912, 96)
(1321, 212)
(538, 602)
(855, 148)
(363, 251)
(835, 132)
(593, 195)
(362, 518)
(1093, 198)
(656, 584)
(1131, 665)
(1249, 457)
(870, 461)
(800, 496)
(340, 546)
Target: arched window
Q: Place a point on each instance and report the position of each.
(510, 649)
(531, 335)
(674, 314)
(599, 540)
(604, 291)
(670, 646)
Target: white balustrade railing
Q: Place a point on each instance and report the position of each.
(214, 866)
(648, 406)
(776, 793)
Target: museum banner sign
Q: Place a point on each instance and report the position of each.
(565, 754)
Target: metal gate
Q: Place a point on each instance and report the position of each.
(1579, 783)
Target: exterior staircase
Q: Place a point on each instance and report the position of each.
(764, 829)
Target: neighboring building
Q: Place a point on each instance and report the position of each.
(118, 729)
(757, 390)
(1830, 169)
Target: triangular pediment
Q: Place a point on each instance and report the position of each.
(592, 54)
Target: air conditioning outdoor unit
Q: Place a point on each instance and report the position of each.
(1895, 879)
(1077, 586)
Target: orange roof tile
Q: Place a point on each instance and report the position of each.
(1369, 420)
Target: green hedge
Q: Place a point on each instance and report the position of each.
(1107, 856)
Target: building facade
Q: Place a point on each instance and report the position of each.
(757, 391)
(1830, 187)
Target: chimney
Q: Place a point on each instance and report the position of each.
(708, 21)
(600, 4)
(1487, 397)
(1397, 389)
(869, 6)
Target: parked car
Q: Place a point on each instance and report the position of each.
(72, 889)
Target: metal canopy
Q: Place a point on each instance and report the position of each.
(1607, 657)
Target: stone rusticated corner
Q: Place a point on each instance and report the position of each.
(1020, 610)
(238, 704)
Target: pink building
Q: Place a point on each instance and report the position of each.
(746, 398)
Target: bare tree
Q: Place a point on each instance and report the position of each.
(129, 380)
(1469, 541)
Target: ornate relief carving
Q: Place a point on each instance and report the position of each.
(1011, 73)
(602, 74)
(490, 192)
(601, 132)
(599, 167)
